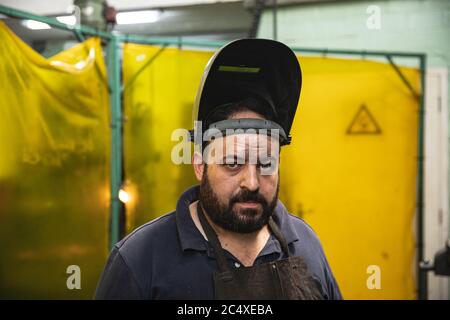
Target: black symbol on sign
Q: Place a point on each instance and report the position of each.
(363, 123)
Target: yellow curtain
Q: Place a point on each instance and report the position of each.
(54, 168)
(157, 100)
(350, 171)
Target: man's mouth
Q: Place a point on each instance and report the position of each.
(248, 204)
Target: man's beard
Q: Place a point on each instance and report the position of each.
(246, 220)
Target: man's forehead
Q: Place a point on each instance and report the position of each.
(246, 114)
(245, 143)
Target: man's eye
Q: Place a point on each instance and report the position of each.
(265, 165)
(234, 165)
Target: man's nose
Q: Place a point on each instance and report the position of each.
(250, 178)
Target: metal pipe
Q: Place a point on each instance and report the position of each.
(218, 44)
(402, 77)
(363, 53)
(169, 41)
(424, 268)
(422, 283)
(113, 62)
(79, 35)
(275, 23)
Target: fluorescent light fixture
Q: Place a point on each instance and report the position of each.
(69, 20)
(35, 25)
(135, 17)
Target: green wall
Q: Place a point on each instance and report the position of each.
(406, 25)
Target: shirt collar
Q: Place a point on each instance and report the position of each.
(190, 236)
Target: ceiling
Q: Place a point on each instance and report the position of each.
(213, 20)
(56, 7)
(205, 19)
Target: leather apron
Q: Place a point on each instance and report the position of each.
(285, 279)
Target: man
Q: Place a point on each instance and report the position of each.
(230, 237)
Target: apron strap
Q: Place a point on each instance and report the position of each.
(277, 233)
(214, 241)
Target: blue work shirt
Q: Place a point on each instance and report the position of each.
(168, 258)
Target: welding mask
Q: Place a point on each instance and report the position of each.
(266, 70)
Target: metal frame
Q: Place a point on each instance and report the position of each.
(114, 75)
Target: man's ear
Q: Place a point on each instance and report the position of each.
(198, 164)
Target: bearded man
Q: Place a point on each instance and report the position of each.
(230, 237)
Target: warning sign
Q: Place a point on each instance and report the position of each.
(363, 123)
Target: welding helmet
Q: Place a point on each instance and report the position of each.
(263, 69)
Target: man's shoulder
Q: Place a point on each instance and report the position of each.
(129, 269)
(150, 234)
(303, 229)
(308, 245)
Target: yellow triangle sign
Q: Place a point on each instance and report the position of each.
(363, 123)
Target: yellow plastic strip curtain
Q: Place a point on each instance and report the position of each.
(350, 171)
(54, 170)
(157, 101)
